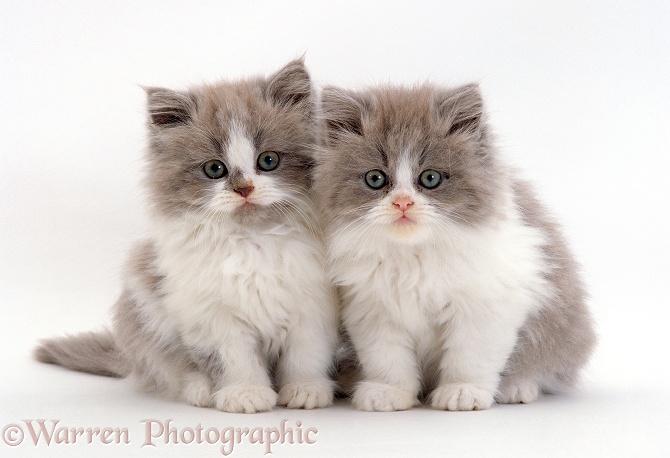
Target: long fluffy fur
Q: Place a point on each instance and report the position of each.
(479, 299)
(228, 302)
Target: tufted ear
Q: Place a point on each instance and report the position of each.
(343, 112)
(290, 85)
(462, 109)
(168, 108)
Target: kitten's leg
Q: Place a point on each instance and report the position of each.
(157, 368)
(476, 345)
(307, 358)
(157, 363)
(245, 386)
(391, 379)
(166, 370)
(520, 381)
(552, 347)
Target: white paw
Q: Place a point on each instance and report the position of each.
(460, 396)
(523, 391)
(381, 397)
(306, 395)
(245, 399)
(197, 390)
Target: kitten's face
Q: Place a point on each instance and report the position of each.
(237, 151)
(405, 164)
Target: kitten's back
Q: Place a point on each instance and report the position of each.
(558, 340)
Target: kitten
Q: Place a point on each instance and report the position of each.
(456, 284)
(231, 287)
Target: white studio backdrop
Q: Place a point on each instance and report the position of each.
(578, 95)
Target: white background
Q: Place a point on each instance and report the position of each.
(578, 93)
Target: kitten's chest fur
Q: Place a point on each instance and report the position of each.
(219, 279)
(486, 272)
(408, 286)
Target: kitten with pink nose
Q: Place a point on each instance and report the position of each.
(457, 287)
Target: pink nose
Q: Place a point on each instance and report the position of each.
(244, 191)
(403, 203)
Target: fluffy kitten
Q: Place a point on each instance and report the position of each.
(455, 282)
(230, 289)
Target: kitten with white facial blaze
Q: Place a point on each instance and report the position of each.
(456, 285)
(229, 299)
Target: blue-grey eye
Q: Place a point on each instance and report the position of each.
(268, 160)
(430, 179)
(215, 169)
(375, 179)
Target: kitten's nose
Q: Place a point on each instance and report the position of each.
(403, 202)
(244, 191)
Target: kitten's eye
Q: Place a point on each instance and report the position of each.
(268, 160)
(430, 179)
(375, 179)
(215, 169)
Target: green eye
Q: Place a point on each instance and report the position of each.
(268, 160)
(375, 179)
(430, 179)
(215, 169)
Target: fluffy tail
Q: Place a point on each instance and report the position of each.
(94, 352)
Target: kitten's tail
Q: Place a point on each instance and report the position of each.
(93, 352)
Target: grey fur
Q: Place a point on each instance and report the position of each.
(94, 352)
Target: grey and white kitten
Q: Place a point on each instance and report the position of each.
(228, 300)
(456, 284)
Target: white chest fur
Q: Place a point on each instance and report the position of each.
(486, 273)
(219, 280)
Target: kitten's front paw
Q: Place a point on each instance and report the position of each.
(382, 397)
(307, 395)
(460, 396)
(245, 399)
(519, 392)
(197, 390)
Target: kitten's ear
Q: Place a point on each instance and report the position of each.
(342, 112)
(462, 109)
(290, 85)
(169, 108)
